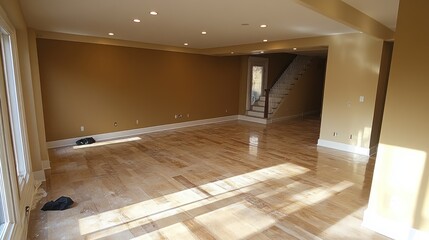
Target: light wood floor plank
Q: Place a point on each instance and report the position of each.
(234, 180)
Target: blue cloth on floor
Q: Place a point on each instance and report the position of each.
(61, 203)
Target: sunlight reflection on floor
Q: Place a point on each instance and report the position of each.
(217, 206)
(187, 199)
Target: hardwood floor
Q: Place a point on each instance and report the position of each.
(234, 180)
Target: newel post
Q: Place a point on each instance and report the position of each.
(267, 100)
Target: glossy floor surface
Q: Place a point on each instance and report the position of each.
(234, 180)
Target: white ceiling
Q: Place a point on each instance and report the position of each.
(183, 21)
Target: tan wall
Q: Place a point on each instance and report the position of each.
(242, 95)
(37, 95)
(306, 95)
(94, 85)
(352, 71)
(400, 189)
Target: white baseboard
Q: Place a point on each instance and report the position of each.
(139, 131)
(39, 175)
(392, 229)
(253, 119)
(46, 164)
(343, 147)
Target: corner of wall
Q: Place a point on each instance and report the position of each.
(390, 228)
(346, 119)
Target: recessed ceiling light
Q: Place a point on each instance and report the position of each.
(232, 52)
(203, 32)
(136, 20)
(186, 44)
(261, 52)
(294, 48)
(111, 34)
(265, 40)
(153, 13)
(263, 26)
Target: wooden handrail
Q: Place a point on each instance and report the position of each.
(267, 100)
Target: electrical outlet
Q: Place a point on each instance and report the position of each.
(351, 136)
(137, 122)
(187, 115)
(335, 134)
(82, 128)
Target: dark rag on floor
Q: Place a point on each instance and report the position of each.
(61, 203)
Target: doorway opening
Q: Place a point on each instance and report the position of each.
(257, 80)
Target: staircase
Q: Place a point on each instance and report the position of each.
(281, 88)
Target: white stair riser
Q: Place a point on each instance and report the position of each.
(255, 114)
(258, 108)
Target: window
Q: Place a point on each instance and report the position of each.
(14, 157)
(14, 109)
(1, 210)
(256, 80)
(6, 204)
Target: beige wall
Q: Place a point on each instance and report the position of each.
(242, 95)
(400, 189)
(352, 71)
(94, 85)
(37, 95)
(306, 95)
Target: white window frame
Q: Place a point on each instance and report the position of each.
(15, 100)
(13, 136)
(9, 203)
